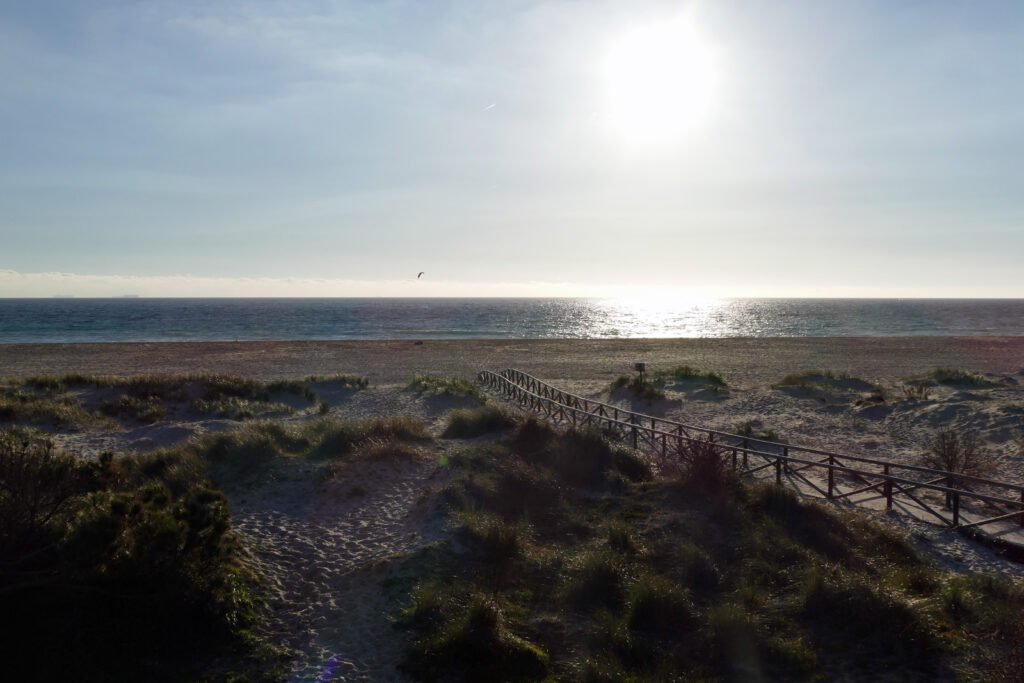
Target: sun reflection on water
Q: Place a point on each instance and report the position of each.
(657, 315)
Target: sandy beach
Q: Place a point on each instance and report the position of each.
(745, 362)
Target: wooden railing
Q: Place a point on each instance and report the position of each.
(665, 439)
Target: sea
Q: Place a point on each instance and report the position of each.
(61, 320)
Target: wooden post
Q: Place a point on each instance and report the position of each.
(831, 475)
(634, 437)
(956, 509)
(734, 463)
(746, 446)
(887, 487)
(1021, 518)
(778, 471)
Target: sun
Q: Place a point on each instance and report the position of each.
(660, 82)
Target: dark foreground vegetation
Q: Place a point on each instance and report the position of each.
(119, 569)
(574, 561)
(126, 568)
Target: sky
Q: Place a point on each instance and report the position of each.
(584, 148)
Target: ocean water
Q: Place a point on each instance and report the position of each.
(128, 319)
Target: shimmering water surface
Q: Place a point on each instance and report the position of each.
(102, 320)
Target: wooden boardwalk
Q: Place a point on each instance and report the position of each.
(989, 509)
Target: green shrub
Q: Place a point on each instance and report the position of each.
(92, 551)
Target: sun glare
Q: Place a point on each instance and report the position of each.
(660, 82)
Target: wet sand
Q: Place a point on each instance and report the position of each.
(747, 362)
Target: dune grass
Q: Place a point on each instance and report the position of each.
(149, 398)
(354, 382)
(685, 372)
(18, 406)
(463, 424)
(595, 570)
(953, 377)
(445, 386)
(641, 390)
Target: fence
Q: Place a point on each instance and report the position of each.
(1002, 501)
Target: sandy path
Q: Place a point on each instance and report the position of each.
(747, 362)
(324, 547)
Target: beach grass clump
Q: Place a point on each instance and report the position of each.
(445, 386)
(234, 408)
(93, 550)
(953, 377)
(651, 580)
(476, 642)
(323, 437)
(352, 382)
(687, 373)
(756, 431)
(640, 389)
(18, 406)
(147, 410)
(823, 379)
(471, 422)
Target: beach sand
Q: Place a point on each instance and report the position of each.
(745, 362)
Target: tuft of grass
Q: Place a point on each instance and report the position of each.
(916, 391)
(498, 539)
(354, 382)
(325, 437)
(599, 582)
(848, 605)
(234, 408)
(685, 372)
(464, 424)
(811, 378)
(952, 377)
(660, 610)
(641, 390)
(754, 432)
(445, 386)
(148, 410)
(20, 406)
(476, 643)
